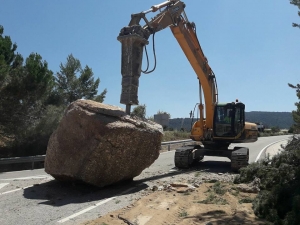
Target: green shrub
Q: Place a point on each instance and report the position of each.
(34, 140)
(279, 198)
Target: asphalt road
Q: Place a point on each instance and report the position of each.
(33, 197)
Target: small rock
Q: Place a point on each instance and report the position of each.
(154, 188)
(252, 187)
(191, 187)
(185, 189)
(182, 189)
(160, 188)
(179, 185)
(196, 185)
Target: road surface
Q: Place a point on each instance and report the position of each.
(33, 197)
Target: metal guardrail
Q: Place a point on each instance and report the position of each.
(169, 143)
(27, 159)
(41, 158)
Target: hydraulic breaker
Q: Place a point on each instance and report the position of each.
(133, 40)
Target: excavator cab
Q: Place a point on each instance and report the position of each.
(229, 120)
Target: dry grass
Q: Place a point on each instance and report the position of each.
(175, 135)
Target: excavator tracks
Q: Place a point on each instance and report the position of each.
(187, 155)
(184, 157)
(239, 158)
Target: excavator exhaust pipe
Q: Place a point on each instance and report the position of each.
(133, 43)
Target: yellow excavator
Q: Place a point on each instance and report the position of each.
(224, 123)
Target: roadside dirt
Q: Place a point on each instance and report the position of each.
(207, 203)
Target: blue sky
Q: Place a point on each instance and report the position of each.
(250, 45)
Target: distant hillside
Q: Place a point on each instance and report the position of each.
(283, 120)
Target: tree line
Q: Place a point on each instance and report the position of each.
(33, 98)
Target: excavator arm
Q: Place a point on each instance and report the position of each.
(134, 37)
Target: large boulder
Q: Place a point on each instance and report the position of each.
(99, 144)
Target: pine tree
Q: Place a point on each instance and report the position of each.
(296, 113)
(296, 3)
(24, 87)
(73, 82)
(7, 56)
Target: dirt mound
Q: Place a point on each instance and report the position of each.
(209, 204)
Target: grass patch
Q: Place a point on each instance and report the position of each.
(218, 188)
(183, 214)
(246, 200)
(214, 193)
(117, 201)
(213, 199)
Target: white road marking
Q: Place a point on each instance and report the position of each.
(261, 151)
(85, 210)
(168, 151)
(22, 171)
(3, 185)
(18, 189)
(28, 178)
(92, 207)
(7, 192)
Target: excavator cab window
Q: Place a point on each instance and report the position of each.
(228, 119)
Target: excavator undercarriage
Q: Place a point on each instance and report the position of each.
(188, 155)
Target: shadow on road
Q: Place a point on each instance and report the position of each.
(57, 194)
(214, 166)
(206, 166)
